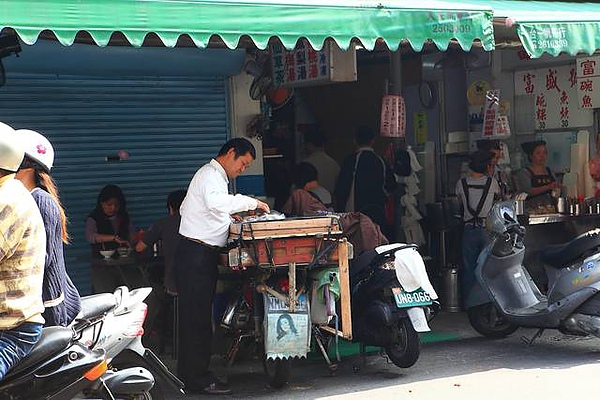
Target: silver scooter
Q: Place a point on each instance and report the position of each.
(572, 303)
(113, 322)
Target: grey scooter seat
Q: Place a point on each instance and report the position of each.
(97, 304)
(563, 255)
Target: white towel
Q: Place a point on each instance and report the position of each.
(411, 271)
(414, 163)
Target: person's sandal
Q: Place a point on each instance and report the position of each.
(217, 387)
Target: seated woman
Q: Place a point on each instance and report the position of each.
(108, 227)
(311, 199)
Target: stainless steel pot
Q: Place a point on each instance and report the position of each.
(561, 205)
(519, 207)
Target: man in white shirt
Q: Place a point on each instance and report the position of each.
(205, 219)
(327, 168)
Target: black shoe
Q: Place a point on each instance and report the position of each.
(217, 387)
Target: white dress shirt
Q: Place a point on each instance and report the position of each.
(207, 207)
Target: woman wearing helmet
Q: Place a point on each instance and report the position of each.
(61, 299)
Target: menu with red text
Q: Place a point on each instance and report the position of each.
(588, 78)
(555, 97)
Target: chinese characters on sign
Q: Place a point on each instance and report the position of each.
(420, 127)
(554, 91)
(588, 77)
(305, 66)
(549, 37)
(393, 116)
(490, 112)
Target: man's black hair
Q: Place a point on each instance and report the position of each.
(175, 199)
(314, 136)
(364, 135)
(304, 173)
(240, 146)
(480, 160)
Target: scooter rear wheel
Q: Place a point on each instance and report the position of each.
(405, 344)
(487, 320)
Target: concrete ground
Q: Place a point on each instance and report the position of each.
(248, 374)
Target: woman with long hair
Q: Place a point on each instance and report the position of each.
(108, 227)
(61, 299)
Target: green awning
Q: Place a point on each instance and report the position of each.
(394, 21)
(551, 27)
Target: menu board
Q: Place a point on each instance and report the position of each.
(588, 77)
(555, 98)
(304, 66)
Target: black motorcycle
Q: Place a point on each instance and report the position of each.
(383, 313)
(58, 367)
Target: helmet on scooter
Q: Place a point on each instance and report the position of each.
(11, 151)
(503, 226)
(501, 217)
(37, 148)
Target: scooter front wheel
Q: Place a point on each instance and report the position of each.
(405, 345)
(487, 320)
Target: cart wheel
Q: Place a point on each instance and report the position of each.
(277, 371)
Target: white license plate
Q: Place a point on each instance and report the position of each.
(406, 299)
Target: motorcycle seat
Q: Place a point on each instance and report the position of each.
(53, 340)
(97, 304)
(562, 255)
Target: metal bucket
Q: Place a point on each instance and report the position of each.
(451, 293)
(519, 207)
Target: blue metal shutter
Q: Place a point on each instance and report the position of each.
(169, 126)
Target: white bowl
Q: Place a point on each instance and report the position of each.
(107, 253)
(124, 251)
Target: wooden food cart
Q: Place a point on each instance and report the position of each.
(295, 244)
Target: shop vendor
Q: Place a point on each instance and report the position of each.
(537, 180)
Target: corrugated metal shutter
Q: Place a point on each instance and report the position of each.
(169, 126)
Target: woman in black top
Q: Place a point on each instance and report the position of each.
(537, 180)
(106, 228)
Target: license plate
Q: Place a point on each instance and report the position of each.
(406, 299)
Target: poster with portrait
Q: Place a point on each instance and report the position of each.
(287, 334)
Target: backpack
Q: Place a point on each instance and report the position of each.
(402, 163)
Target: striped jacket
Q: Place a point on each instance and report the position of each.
(22, 255)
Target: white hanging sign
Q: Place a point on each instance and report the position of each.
(555, 98)
(588, 78)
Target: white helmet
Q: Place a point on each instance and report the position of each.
(11, 150)
(37, 147)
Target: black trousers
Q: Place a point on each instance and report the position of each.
(196, 275)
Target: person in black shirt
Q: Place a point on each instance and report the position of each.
(365, 180)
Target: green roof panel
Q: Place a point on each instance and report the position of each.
(394, 21)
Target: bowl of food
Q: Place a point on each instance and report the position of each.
(124, 251)
(107, 253)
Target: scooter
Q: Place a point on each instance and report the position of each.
(392, 301)
(508, 298)
(114, 322)
(57, 368)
